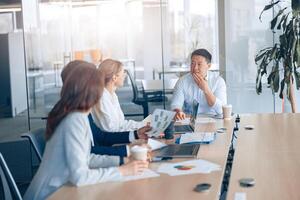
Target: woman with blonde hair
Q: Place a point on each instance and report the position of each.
(104, 141)
(108, 114)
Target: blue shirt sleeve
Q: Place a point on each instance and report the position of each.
(178, 95)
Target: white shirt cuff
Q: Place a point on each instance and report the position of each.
(131, 136)
(218, 106)
(128, 150)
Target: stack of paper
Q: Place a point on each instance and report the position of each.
(146, 174)
(197, 137)
(160, 121)
(188, 167)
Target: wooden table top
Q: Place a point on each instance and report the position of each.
(270, 155)
(165, 186)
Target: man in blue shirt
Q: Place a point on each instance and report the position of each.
(208, 88)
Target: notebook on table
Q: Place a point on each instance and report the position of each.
(191, 126)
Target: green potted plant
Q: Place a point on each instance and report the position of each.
(284, 56)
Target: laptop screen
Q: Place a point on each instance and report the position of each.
(194, 113)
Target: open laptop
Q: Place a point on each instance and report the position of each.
(191, 126)
(179, 151)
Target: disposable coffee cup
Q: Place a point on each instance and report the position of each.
(139, 152)
(227, 110)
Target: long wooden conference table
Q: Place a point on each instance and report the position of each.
(270, 154)
(165, 186)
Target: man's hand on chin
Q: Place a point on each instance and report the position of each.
(200, 81)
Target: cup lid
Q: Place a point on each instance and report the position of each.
(138, 148)
(227, 105)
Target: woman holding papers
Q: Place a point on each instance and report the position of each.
(104, 140)
(107, 114)
(67, 157)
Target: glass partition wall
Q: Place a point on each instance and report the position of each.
(152, 38)
(13, 98)
(47, 33)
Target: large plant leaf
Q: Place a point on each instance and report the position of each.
(297, 53)
(283, 17)
(264, 64)
(274, 20)
(273, 53)
(284, 22)
(296, 5)
(267, 7)
(282, 83)
(276, 77)
(258, 82)
(297, 79)
(273, 78)
(276, 81)
(293, 49)
(261, 54)
(283, 45)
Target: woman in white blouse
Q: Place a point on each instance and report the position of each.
(107, 114)
(67, 158)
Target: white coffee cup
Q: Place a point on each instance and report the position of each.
(139, 152)
(227, 110)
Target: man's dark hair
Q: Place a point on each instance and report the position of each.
(204, 53)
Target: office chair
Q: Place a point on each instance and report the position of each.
(142, 98)
(38, 141)
(9, 187)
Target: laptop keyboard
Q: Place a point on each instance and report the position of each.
(183, 128)
(188, 149)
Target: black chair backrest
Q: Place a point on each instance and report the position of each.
(38, 141)
(10, 189)
(134, 86)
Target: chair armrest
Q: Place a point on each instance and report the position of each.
(154, 93)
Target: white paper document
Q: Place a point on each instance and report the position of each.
(147, 119)
(146, 174)
(154, 144)
(188, 167)
(204, 137)
(160, 121)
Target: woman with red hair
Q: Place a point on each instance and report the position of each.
(67, 157)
